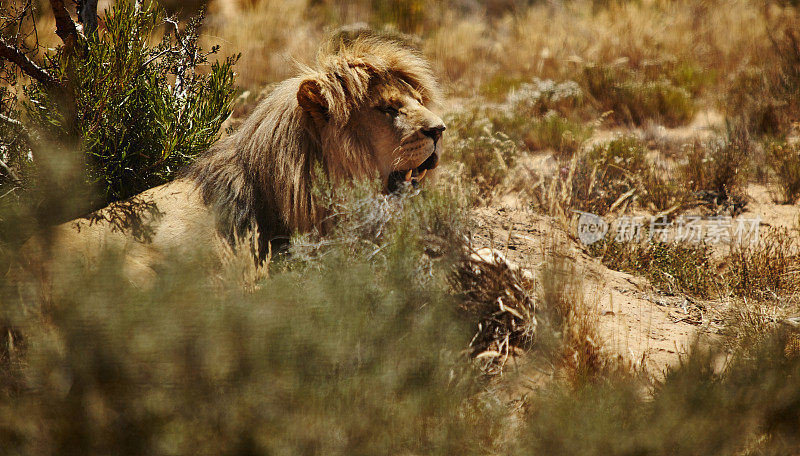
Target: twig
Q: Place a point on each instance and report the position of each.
(27, 65)
(11, 174)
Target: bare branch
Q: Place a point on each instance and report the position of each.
(12, 54)
(87, 15)
(65, 27)
(16, 123)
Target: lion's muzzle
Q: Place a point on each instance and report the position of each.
(400, 178)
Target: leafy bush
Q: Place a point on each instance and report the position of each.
(140, 111)
(550, 132)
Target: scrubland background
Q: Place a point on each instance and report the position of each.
(390, 335)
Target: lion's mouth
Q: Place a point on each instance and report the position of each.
(400, 178)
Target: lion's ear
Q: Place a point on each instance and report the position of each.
(311, 100)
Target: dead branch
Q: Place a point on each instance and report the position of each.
(87, 15)
(28, 66)
(65, 27)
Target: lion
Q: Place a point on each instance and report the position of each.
(362, 112)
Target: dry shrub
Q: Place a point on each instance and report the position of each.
(484, 154)
(634, 98)
(766, 97)
(610, 177)
(719, 168)
(502, 302)
(784, 161)
(749, 100)
(568, 323)
(607, 173)
(766, 270)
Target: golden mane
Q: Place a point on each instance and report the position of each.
(260, 179)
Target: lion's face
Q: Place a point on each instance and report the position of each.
(400, 133)
(404, 136)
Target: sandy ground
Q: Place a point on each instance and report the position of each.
(649, 328)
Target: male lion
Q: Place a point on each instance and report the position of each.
(361, 112)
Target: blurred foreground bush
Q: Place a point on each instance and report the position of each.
(352, 346)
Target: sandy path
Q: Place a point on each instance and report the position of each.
(647, 328)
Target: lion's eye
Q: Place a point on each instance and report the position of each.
(390, 110)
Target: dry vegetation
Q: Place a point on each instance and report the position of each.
(396, 333)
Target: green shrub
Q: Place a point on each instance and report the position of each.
(550, 132)
(498, 86)
(141, 111)
(691, 77)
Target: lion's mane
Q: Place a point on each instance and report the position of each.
(259, 180)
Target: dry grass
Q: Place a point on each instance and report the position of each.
(568, 323)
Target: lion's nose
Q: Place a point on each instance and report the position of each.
(434, 132)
